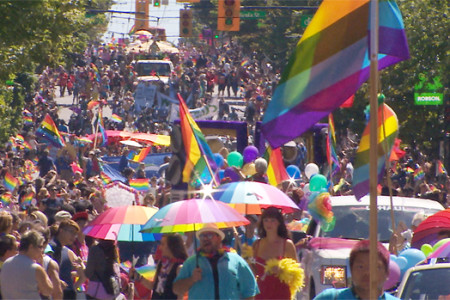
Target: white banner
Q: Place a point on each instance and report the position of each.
(203, 113)
(144, 95)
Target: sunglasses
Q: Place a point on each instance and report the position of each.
(208, 235)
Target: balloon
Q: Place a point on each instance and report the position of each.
(426, 249)
(306, 189)
(221, 174)
(440, 243)
(235, 159)
(249, 169)
(393, 277)
(218, 158)
(317, 183)
(293, 171)
(250, 154)
(229, 172)
(311, 169)
(328, 226)
(413, 256)
(400, 261)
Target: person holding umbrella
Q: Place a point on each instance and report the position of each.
(173, 255)
(215, 272)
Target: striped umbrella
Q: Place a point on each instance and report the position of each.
(122, 223)
(192, 215)
(249, 197)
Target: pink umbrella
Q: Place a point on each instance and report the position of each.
(122, 224)
(192, 215)
(250, 197)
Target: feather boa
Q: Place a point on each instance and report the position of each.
(288, 271)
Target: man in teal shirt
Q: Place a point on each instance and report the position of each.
(218, 274)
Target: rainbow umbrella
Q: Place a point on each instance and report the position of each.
(122, 223)
(427, 231)
(192, 215)
(249, 197)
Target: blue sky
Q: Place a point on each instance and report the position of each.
(120, 24)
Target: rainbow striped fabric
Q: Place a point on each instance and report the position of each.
(332, 157)
(105, 178)
(419, 174)
(141, 185)
(49, 131)
(27, 120)
(91, 104)
(142, 154)
(276, 171)
(440, 168)
(96, 72)
(10, 182)
(330, 63)
(198, 153)
(26, 199)
(387, 124)
(116, 118)
(6, 199)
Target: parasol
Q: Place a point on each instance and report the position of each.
(427, 231)
(119, 194)
(122, 224)
(249, 197)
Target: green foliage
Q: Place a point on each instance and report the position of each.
(40, 33)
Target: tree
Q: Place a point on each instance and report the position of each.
(40, 33)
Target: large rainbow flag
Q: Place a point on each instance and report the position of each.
(198, 153)
(10, 182)
(276, 171)
(387, 132)
(49, 131)
(330, 63)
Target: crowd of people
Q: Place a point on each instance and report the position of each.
(43, 250)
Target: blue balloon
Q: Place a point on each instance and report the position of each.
(218, 158)
(221, 174)
(293, 171)
(413, 257)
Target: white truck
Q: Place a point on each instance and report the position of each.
(325, 256)
(153, 70)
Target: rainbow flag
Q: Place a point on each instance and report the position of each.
(245, 62)
(96, 72)
(330, 63)
(26, 199)
(27, 120)
(49, 131)
(116, 118)
(276, 171)
(141, 185)
(105, 178)
(132, 30)
(440, 168)
(26, 112)
(198, 153)
(387, 124)
(101, 128)
(91, 104)
(419, 174)
(6, 199)
(10, 182)
(148, 271)
(332, 157)
(142, 154)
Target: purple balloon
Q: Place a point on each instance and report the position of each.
(229, 172)
(394, 275)
(250, 154)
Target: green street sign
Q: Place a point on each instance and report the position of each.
(305, 20)
(428, 98)
(252, 14)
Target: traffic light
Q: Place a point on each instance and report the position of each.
(156, 3)
(185, 23)
(228, 15)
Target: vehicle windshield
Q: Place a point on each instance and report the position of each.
(352, 222)
(427, 284)
(153, 69)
